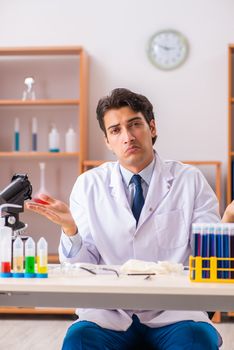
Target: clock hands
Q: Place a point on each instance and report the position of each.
(167, 48)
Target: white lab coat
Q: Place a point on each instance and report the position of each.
(178, 196)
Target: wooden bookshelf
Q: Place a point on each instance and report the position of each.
(38, 154)
(40, 102)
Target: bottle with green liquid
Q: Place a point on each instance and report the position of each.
(30, 258)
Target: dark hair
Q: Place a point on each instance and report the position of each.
(123, 97)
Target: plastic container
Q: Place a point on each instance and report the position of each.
(30, 258)
(5, 246)
(42, 258)
(54, 140)
(18, 258)
(5, 243)
(71, 140)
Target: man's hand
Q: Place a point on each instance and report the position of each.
(56, 211)
(228, 215)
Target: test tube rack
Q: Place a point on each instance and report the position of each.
(212, 269)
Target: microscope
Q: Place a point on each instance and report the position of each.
(19, 190)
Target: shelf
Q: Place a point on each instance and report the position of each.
(41, 51)
(38, 154)
(53, 259)
(44, 102)
(36, 311)
(202, 162)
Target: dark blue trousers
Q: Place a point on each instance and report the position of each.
(185, 335)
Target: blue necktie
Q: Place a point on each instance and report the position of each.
(138, 200)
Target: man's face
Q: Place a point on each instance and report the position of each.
(129, 136)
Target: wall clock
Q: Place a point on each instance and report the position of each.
(167, 49)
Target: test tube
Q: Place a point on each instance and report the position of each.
(225, 248)
(42, 258)
(196, 239)
(17, 135)
(219, 242)
(231, 248)
(212, 242)
(205, 250)
(18, 258)
(34, 134)
(30, 258)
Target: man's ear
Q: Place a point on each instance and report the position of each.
(153, 128)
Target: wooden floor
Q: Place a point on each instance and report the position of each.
(37, 333)
(47, 332)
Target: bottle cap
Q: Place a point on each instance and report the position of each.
(42, 244)
(71, 131)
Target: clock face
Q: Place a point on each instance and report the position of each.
(167, 49)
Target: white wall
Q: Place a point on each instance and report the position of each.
(190, 102)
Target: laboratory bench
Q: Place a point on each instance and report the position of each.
(174, 292)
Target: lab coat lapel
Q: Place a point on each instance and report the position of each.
(159, 187)
(117, 187)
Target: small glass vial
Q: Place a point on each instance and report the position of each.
(18, 258)
(42, 258)
(30, 258)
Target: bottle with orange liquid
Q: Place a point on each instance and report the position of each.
(18, 258)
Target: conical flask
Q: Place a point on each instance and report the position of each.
(42, 188)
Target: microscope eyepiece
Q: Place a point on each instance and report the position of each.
(19, 188)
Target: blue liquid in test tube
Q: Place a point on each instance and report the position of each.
(196, 240)
(231, 248)
(226, 253)
(196, 244)
(219, 243)
(212, 241)
(205, 250)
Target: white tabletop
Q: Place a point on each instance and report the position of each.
(174, 292)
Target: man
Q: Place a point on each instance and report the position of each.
(139, 207)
